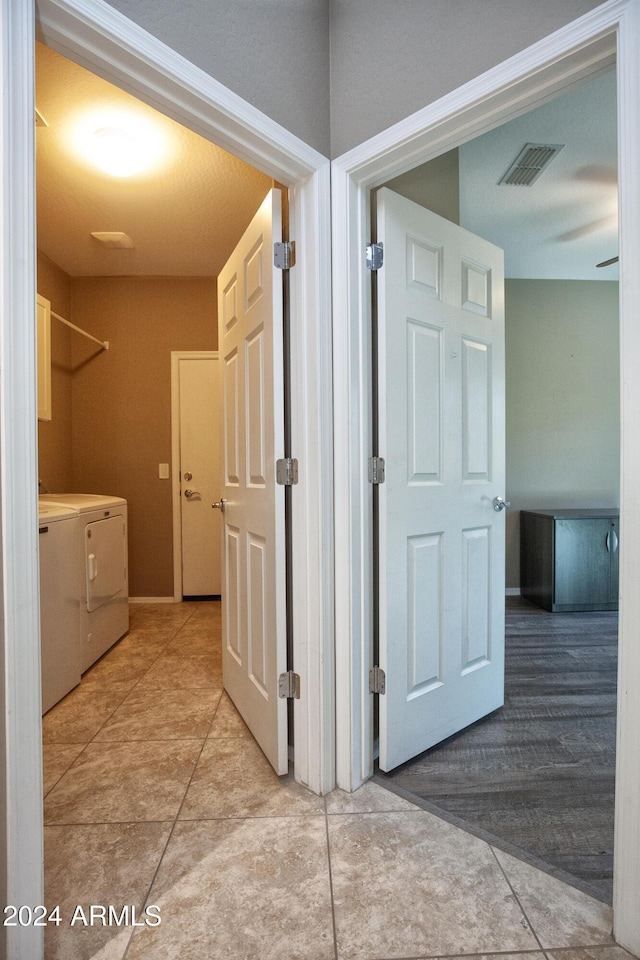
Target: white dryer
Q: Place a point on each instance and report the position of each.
(59, 531)
(104, 583)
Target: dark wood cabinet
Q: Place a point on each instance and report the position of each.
(569, 558)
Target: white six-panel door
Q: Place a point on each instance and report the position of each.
(250, 345)
(441, 429)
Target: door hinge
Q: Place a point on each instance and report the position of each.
(376, 470)
(287, 472)
(377, 680)
(289, 685)
(284, 255)
(375, 256)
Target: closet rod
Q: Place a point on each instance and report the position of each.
(103, 343)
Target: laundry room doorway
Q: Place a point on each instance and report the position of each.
(111, 45)
(151, 297)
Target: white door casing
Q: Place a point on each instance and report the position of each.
(197, 449)
(254, 603)
(98, 37)
(583, 48)
(441, 433)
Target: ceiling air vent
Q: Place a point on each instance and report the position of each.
(530, 162)
(114, 240)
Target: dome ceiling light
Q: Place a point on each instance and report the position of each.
(118, 153)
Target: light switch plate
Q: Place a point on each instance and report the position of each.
(163, 471)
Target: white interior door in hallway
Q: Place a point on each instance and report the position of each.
(250, 312)
(196, 395)
(441, 433)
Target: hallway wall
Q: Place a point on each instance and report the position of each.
(354, 66)
(417, 52)
(275, 55)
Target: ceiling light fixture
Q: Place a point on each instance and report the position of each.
(117, 153)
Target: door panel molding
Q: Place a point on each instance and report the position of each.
(581, 49)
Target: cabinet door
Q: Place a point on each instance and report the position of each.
(43, 313)
(583, 562)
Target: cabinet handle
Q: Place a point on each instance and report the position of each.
(608, 542)
(614, 540)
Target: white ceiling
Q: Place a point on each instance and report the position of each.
(184, 215)
(566, 222)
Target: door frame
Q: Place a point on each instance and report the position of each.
(107, 43)
(176, 485)
(581, 49)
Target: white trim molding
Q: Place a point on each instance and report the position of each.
(583, 48)
(21, 845)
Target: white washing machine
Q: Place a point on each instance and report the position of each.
(104, 582)
(59, 532)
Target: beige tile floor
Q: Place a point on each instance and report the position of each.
(156, 794)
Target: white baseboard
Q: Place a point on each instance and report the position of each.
(152, 600)
(512, 592)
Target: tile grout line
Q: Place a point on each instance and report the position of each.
(516, 898)
(64, 772)
(470, 956)
(333, 907)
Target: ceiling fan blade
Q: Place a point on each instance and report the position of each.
(607, 263)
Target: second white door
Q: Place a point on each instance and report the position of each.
(196, 378)
(441, 427)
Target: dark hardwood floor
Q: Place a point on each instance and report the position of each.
(538, 774)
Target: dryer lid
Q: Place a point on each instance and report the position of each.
(50, 512)
(85, 502)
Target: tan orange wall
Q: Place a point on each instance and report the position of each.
(122, 402)
(54, 436)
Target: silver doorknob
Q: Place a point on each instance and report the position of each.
(219, 505)
(500, 504)
(191, 493)
(188, 476)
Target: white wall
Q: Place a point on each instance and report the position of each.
(272, 53)
(562, 399)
